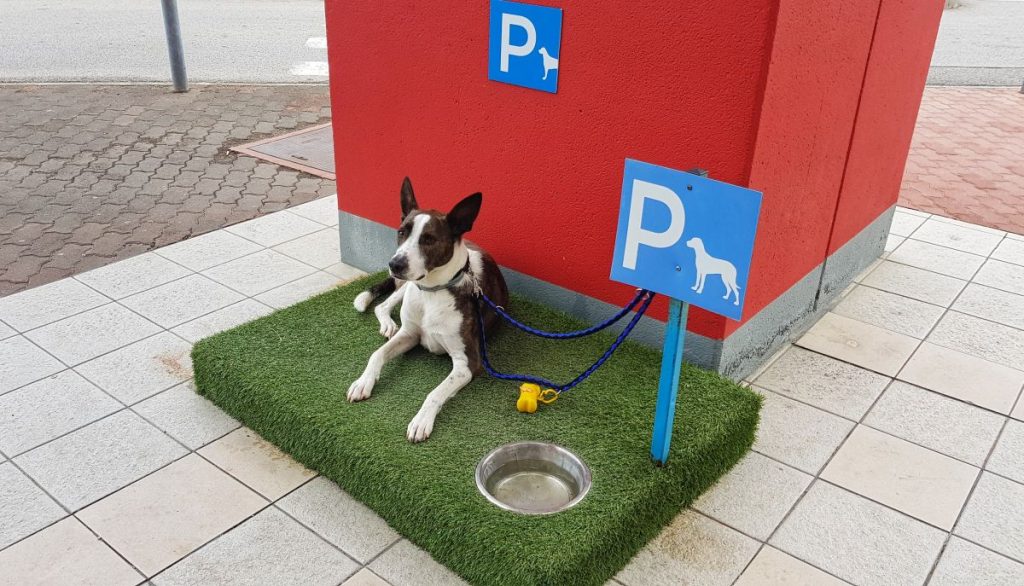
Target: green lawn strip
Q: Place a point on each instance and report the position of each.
(285, 376)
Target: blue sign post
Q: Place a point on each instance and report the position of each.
(525, 43)
(690, 238)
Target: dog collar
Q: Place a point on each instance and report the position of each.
(453, 282)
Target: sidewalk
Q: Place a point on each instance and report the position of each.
(890, 451)
(967, 157)
(94, 174)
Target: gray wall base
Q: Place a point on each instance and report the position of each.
(368, 245)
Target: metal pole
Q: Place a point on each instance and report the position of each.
(173, 29)
(668, 383)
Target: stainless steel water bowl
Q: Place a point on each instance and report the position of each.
(533, 478)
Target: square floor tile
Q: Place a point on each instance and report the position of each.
(6, 331)
(904, 224)
(797, 434)
(22, 362)
(87, 335)
(1008, 457)
(187, 417)
(323, 210)
(65, 553)
(957, 237)
(859, 343)
(1018, 411)
(824, 382)
(939, 259)
(223, 319)
(936, 422)
(1002, 275)
(45, 409)
(914, 283)
(345, 272)
(273, 229)
(992, 304)
(259, 464)
(208, 250)
(982, 338)
(892, 242)
(340, 519)
(320, 249)
(48, 303)
(269, 548)
(965, 377)
(180, 301)
(407, 565)
(365, 577)
(772, 566)
(23, 507)
(994, 516)
(141, 369)
(1010, 250)
(98, 459)
(259, 272)
(130, 276)
(919, 482)
(693, 549)
(754, 496)
(969, 225)
(858, 540)
(966, 564)
(299, 290)
(890, 311)
(168, 514)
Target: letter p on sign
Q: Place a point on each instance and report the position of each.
(636, 234)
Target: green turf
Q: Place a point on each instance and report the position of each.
(285, 376)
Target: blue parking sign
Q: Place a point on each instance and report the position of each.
(686, 236)
(525, 43)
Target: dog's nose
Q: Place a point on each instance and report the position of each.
(398, 265)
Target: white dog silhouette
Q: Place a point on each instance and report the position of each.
(709, 265)
(549, 62)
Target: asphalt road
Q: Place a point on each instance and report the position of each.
(263, 41)
(980, 43)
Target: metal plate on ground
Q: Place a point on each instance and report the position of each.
(310, 150)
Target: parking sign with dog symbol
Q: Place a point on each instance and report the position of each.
(525, 43)
(686, 236)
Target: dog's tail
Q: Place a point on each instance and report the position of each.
(382, 289)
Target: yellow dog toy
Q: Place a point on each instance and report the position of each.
(530, 394)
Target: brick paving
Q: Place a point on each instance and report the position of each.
(967, 157)
(94, 174)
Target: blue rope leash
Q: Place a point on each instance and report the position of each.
(647, 297)
(565, 335)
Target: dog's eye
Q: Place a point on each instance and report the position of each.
(427, 240)
(401, 233)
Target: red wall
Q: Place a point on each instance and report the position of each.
(896, 73)
(702, 83)
(818, 59)
(411, 97)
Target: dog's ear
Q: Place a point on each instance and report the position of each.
(462, 216)
(408, 198)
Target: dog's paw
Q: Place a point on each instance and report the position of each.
(420, 427)
(360, 390)
(362, 301)
(388, 328)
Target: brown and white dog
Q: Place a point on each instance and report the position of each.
(434, 275)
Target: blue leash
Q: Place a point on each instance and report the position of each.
(642, 295)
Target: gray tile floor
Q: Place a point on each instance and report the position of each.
(889, 452)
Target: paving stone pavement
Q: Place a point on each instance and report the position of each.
(967, 157)
(93, 174)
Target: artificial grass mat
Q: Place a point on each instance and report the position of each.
(285, 376)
